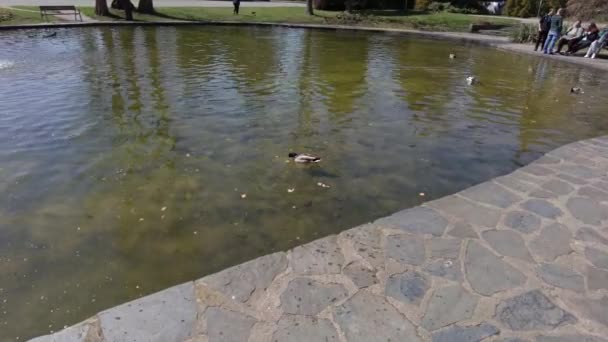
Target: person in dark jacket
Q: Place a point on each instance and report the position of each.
(555, 31)
(236, 4)
(543, 30)
(591, 35)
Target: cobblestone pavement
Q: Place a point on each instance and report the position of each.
(523, 257)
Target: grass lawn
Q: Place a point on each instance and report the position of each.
(416, 20)
(16, 17)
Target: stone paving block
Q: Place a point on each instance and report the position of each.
(542, 208)
(406, 249)
(597, 279)
(367, 244)
(443, 248)
(537, 170)
(587, 211)
(463, 230)
(522, 221)
(543, 194)
(590, 235)
(570, 338)
(558, 187)
(532, 311)
(593, 193)
(561, 276)
(227, 326)
(305, 296)
(445, 268)
(593, 309)
(165, 316)
(602, 185)
(553, 241)
(579, 171)
(322, 256)
(487, 273)
(86, 331)
(239, 282)
(457, 333)
(547, 159)
(408, 287)
(292, 328)
(467, 211)
(448, 305)
(507, 243)
(511, 339)
(418, 220)
(491, 193)
(360, 274)
(571, 179)
(597, 257)
(366, 317)
(512, 183)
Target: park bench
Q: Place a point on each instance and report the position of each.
(46, 10)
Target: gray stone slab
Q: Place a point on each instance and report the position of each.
(165, 316)
(408, 287)
(597, 257)
(590, 235)
(587, 210)
(522, 221)
(537, 170)
(227, 326)
(570, 338)
(405, 248)
(366, 241)
(547, 160)
(304, 296)
(571, 179)
(513, 183)
(293, 328)
(532, 311)
(360, 274)
(445, 268)
(322, 256)
(579, 171)
(241, 281)
(602, 185)
(558, 187)
(543, 194)
(542, 208)
(467, 211)
(507, 243)
(487, 273)
(491, 193)
(457, 333)
(553, 241)
(561, 276)
(418, 220)
(511, 339)
(463, 231)
(443, 248)
(448, 305)
(366, 317)
(593, 309)
(593, 193)
(81, 332)
(597, 279)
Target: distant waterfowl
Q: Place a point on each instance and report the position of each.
(452, 56)
(304, 158)
(471, 80)
(576, 90)
(50, 35)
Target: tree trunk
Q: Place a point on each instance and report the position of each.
(101, 7)
(146, 6)
(128, 8)
(309, 9)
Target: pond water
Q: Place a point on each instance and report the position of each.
(132, 159)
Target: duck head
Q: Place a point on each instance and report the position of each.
(292, 154)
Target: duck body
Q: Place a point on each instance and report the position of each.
(576, 90)
(471, 80)
(452, 56)
(304, 158)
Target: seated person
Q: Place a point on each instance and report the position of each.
(591, 35)
(573, 32)
(598, 45)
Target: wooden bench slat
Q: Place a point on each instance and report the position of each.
(57, 8)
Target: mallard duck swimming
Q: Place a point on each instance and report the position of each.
(471, 80)
(304, 158)
(576, 90)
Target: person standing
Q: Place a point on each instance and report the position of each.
(555, 31)
(237, 4)
(543, 30)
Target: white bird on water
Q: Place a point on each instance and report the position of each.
(304, 158)
(471, 80)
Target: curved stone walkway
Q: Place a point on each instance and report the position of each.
(523, 257)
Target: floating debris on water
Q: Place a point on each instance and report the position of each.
(422, 194)
(576, 90)
(323, 185)
(243, 195)
(291, 190)
(141, 219)
(163, 208)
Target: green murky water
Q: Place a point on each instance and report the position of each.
(125, 153)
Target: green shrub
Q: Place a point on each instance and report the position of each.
(524, 33)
